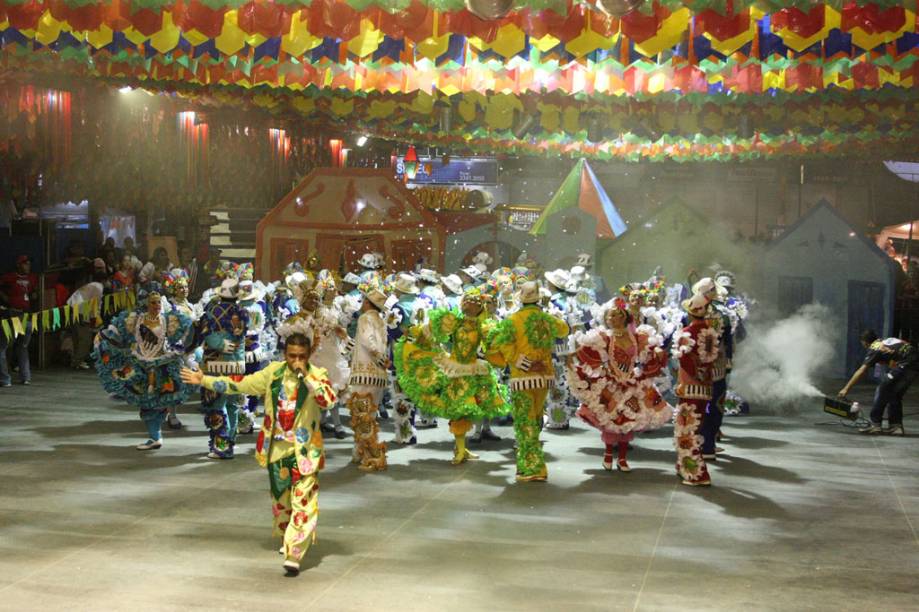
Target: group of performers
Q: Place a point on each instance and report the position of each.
(471, 347)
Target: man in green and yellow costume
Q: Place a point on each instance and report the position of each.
(524, 342)
(290, 442)
(439, 368)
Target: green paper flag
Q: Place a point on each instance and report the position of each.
(34, 321)
(56, 317)
(17, 327)
(66, 316)
(6, 329)
(45, 319)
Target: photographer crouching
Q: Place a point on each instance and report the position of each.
(902, 361)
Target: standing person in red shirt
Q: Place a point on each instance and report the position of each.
(19, 295)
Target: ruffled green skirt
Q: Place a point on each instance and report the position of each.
(422, 379)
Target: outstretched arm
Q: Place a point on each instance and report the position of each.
(859, 373)
(253, 384)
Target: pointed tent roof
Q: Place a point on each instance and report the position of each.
(582, 189)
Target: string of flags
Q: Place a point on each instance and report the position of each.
(62, 317)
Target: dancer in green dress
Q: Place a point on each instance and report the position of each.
(439, 367)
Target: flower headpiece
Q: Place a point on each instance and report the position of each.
(177, 277)
(246, 272)
(226, 269)
(325, 281)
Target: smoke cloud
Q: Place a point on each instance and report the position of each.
(778, 361)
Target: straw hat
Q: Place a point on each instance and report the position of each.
(229, 288)
(375, 297)
(371, 261)
(697, 305)
(473, 272)
(428, 276)
(578, 274)
(249, 291)
(529, 293)
(708, 287)
(558, 278)
(405, 283)
(454, 283)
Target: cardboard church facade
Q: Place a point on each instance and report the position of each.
(342, 213)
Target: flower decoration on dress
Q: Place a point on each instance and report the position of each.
(683, 344)
(707, 342)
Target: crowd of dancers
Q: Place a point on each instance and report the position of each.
(460, 350)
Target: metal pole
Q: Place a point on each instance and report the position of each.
(800, 189)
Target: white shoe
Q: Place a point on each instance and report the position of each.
(292, 567)
(150, 444)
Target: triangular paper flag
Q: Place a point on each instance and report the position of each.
(45, 319)
(56, 317)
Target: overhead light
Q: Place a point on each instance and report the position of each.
(361, 141)
(125, 89)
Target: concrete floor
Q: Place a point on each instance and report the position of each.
(801, 516)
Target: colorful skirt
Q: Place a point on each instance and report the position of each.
(441, 387)
(630, 408)
(149, 385)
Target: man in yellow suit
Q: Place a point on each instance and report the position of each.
(290, 441)
(524, 342)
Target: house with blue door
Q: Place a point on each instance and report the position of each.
(823, 259)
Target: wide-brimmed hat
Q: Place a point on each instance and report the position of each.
(697, 305)
(229, 288)
(375, 297)
(473, 272)
(428, 276)
(529, 293)
(707, 286)
(725, 279)
(248, 290)
(454, 283)
(558, 278)
(578, 273)
(405, 283)
(294, 280)
(371, 261)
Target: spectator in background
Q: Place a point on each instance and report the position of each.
(129, 248)
(19, 295)
(82, 333)
(161, 260)
(189, 263)
(76, 254)
(124, 277)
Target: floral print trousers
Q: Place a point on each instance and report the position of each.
(221, 415)
(528, 408)
(687, 425)
(295, 505)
